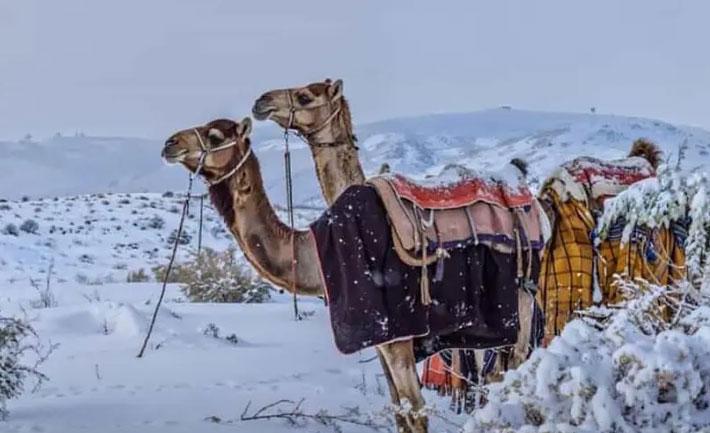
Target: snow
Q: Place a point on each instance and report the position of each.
(620, 379)
(99, 238)
(98, 384)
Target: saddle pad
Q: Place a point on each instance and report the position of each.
(465, 190)
(375, 298)
(489, 224)
(587, 176)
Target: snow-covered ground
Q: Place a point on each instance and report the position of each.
(97, 239)
(98, 384)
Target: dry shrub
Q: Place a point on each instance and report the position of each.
(217, 277)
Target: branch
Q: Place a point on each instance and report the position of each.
(293, 413)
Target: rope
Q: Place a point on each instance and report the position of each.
(289, 207)
(199, 233)
(185, 207)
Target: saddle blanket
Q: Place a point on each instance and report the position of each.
(459, 186)
(374, 297)
(463, 207)
(587, 178)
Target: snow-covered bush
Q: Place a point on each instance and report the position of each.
(217, 277)
(138, 276)
(156, 222)
(184, 238)
(18, 344)
(642, 366)
(11, 229)
(29, 226)
(628, 374)
(669, 197)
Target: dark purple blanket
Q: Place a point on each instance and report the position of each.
(374, 298)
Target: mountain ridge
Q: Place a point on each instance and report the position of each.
(417, 146)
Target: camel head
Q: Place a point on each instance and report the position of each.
(223, 146)
(317, 111)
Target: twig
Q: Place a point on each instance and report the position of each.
(295, 413)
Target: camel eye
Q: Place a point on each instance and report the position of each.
(303, 99)
(216, 136)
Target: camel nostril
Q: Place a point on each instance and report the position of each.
(169, 142)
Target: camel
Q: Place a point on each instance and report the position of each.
(220, 153)
(320, 114)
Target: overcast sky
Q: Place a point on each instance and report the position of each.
(148, 67)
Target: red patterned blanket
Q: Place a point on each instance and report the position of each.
(463, 192)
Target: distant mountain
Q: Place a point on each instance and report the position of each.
(417, 145)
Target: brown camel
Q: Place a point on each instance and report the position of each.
(321, 115)
(237, 192)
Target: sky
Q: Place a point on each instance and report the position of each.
(147, 68)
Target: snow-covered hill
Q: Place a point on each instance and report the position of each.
(99, 238)
(418, 145)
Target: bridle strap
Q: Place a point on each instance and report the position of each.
(234, 170)
(206, 151)
(307, 135)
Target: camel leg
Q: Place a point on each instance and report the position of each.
(399, 358)
(525, 315)
(402, 426)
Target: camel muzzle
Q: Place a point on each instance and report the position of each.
(262, 108)
(172, 155)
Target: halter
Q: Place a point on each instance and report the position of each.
(310, 132)
(206, 151)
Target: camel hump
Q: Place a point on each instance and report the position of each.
(648, 150)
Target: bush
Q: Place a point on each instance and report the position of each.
(15, 346)
(29, 226)
(11, 229)
(217, 277)
(156, 222)
(138, 276)
(641, 365)
(184, 237)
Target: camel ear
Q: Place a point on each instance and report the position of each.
(335, 90)
(244, 127)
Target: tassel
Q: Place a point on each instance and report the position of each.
(441, 254)
(424, 283)
(426, 296)
(439, 275)
(519, 253)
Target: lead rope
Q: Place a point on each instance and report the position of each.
(199, 235)
(289, 206)
(185, 207)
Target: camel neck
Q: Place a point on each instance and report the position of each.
(262, 236)
(337, 167)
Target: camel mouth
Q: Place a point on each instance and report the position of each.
(174, 157)
(262, 113)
